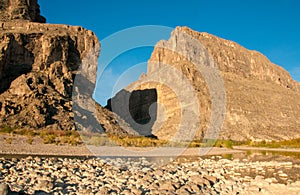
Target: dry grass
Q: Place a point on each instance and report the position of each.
(9, 140)
(61, 137)
(48, 136)
(113, 140)
(293, 143)
(29, 139)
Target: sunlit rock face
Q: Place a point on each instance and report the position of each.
(262, 100)
(24, 10)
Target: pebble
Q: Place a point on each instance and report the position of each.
(282, 175)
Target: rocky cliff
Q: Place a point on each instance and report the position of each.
(252, 98)
(197, 85)
(20, 10)
(38, 64)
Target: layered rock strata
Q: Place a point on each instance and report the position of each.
(260, 101)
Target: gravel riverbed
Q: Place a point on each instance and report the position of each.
(213, 175)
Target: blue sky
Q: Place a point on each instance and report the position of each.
(269, 26)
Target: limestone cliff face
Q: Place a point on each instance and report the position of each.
(38, 63)
(234, 59)
(262, 100)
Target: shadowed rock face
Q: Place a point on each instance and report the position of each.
(138, 109)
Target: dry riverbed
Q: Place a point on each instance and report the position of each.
(213, 175)
(74, 170)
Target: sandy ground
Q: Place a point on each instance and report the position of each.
(19, 146)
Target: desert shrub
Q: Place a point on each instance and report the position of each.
(49, 139)
(249, 142)
(28, 132)
(228, 144)
(45, 133)
(69, 133)
(7, 129)
(220, 143)
(227, 156)
(136, 141)
(195, 145)
(73, 140)
(273, 144)
(9, 140)
(63, 140)
(293, 143)
(30, 140)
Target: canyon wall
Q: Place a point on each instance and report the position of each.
(261, 100)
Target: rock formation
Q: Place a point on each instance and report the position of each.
(262, 101)
(20, 10)
(38, 63)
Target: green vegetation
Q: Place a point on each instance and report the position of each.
(224, 144)
(71, 137)
(29, 139)
(227, 156)
(9, 140)
(293, 143)
(112, 140)
(48, 136)
(7, 129)
(137, 141)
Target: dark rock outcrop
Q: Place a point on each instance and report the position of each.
(138, 109)
(38, 64)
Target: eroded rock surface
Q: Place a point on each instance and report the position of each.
(28, 10)
(262, 101)
(38, 64)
